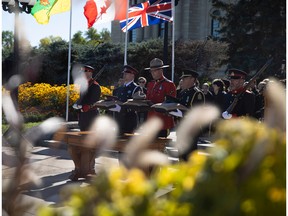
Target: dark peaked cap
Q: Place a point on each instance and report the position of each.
(236, 74)
(189, 73)
(130, 69)
(87, 68)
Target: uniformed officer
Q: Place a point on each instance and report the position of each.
(246, 103)
(87, 98)
(126, 118)
(87, 114)
(157, 89)
(190, 94)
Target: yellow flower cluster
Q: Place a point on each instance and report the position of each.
(253, 184)
(48, 98)
(105, 91)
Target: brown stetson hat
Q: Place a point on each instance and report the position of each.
(156, 63)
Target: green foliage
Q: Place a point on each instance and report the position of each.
(254, 30)
(78, 38)
(45, 42)
(7, 43)
(244, 175)
(35, 117)
(48, 63)
(26, 126)
(54, 64)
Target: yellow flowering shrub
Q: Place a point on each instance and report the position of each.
(49, 99)
(105, 91)
(243, 175)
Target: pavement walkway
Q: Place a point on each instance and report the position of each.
(51, 166)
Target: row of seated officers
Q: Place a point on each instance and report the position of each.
(158, 90)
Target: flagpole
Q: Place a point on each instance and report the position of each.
(126, 35)
(69, 65)
(173, 40)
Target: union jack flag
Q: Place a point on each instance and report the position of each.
(148, 13)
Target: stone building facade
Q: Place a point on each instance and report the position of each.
(192, 22)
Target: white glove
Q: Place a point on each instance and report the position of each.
(226, 115)
(117, 108)
(177, 113)
(76, 106)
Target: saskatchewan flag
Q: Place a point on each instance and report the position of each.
(43, 9)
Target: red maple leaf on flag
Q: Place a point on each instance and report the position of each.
(104, 8)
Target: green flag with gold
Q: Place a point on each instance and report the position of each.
(43, 9)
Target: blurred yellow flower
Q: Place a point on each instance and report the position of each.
(50, 99)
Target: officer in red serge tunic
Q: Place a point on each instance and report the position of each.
(157, 89)
(246, 104)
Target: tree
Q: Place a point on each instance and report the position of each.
(254, 31)
(92, 36)
(7, 43)
(105, 35)
(44, 42)
(78, 38)
(54, 64)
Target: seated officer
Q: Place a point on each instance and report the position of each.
(246, 103)
(127, 119)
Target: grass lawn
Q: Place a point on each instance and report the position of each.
(26, 126)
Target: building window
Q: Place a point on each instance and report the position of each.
(215, 24)
(133, 2)
(132, 36)
(161, 30)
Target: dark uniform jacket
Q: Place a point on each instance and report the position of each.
(126, 119)
(209, 97)
(191, 96)
(156, 92)
(245, 105)
(89, 97)
(220, 100)
(259, 105)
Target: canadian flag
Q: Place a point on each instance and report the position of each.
(101, 11)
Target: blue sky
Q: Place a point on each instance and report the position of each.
(58, 25)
